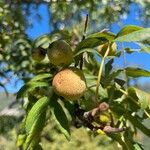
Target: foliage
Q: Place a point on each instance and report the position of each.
(128, 106)
(106, 94)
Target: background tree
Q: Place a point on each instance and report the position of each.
(67, 21)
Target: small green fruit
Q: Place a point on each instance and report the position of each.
(69, 83)
(103, 118)
(38, 54)
(101, 132)
(102, 49)
(60, 53)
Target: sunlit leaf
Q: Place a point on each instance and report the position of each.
(38, 108)
(41, 76)
(137, 147)
(87, 50)
(136, 36)
(33, 136)
(143, 97)
(43, 41)
(127, 30)
(144, 48)
(137, 72)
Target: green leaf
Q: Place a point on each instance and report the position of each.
(21, 139)
(111, 77)
(136, 36)
(43, 41)
(108, 67)
(128, 138)
(33, 137)
(29, 87)
(107, 35)
(88, 43)
(143, 97)
(137, 72)
(137, 123)
(87, 50)
(38, 108)
(118, 138)
(94, 40)
(127, 30)
(40, 77)
(144, 48)
(70, 107)
(137, 147)
(60, 118)
(129, 50)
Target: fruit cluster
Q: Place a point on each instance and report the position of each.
(69, 82)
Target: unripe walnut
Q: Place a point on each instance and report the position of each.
(38, 54)
(69, 83)
(60, 53)
(103, 48)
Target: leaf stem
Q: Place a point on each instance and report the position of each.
(124, 68)
(100, 72)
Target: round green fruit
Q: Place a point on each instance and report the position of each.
(60, 53)
(102, 49)
(69, 83)
(103, 118)
(38, 54)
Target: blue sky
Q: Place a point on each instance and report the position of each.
(43, 27)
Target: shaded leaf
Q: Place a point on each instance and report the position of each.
(111, 77)
(108, 67)
(60, 117)
(119, 81)
(118, 138)
(29, 87)
(129, 50)
(94, 40)
(88, 43)
(70, 107)
(137, 123)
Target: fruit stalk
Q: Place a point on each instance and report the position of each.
(100, 72)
